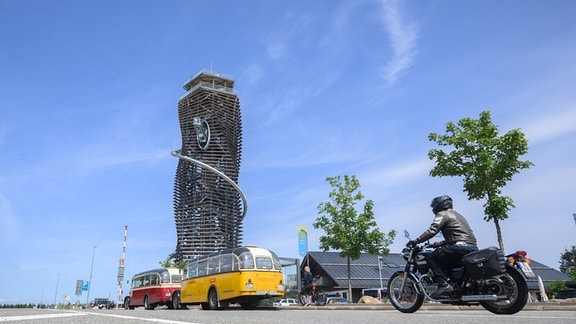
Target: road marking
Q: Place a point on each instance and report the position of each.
(35, 317)
(155, 320)
(73, 313)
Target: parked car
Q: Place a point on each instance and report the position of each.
(285, 302)
(566, 293)
(264, 303)
(336, 300)
(103, 303)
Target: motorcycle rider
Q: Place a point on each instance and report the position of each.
(459, 240)
(307, 284)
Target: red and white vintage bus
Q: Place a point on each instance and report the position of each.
(153, 288)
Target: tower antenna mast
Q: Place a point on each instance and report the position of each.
(121, 270)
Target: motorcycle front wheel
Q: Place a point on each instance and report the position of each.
(408, 300)
(515, 287)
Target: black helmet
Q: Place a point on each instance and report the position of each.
(441, 203)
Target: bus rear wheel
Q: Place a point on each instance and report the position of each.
(147, 303)
(212, 299)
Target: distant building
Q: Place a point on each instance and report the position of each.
(365, 273)
(207, 209)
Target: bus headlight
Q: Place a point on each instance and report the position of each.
(249, 284)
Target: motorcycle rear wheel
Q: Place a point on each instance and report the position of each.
(408, 300)
(517, 291)
(320, 298)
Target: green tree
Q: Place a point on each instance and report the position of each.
(568, 262)
(169, 263)
(486, 160)
(347, 230)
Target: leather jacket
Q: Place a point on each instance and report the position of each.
(454, 228)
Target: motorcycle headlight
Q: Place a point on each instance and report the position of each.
(405, 253)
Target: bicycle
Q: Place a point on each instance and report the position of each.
(318, 296)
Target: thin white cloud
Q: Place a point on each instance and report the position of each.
(401, 173)
(98, 162)
(275, 50)
(403, 36)
(553, 126)
(253, 73)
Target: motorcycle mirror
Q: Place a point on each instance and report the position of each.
(406, 234)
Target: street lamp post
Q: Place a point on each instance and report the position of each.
(90, 279)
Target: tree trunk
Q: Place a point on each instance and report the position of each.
(499, 233)
(349, 280)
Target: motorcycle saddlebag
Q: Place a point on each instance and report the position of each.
(485, 263)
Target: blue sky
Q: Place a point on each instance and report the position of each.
(88, 118)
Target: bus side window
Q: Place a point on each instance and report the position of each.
(146, 280)
(202, 267)
(136, 282)
(154, 279)
(226, 263)
(276, 261)
(214, 265)
(192, 270)
(235, 262)
(246, 261)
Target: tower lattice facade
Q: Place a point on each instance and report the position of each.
(207, 209)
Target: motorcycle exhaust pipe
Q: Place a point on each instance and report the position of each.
(472, 298)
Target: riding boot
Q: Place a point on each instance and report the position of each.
(443, 288)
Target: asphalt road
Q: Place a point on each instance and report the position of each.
(283, 315)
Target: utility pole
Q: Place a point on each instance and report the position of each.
(380, 272)
(90, 280)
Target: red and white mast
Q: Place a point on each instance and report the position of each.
(121, 270)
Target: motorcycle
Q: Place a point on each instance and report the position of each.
(484, 277)
(318, 295)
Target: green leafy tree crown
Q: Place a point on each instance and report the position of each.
(484, 159)
(568, 262)
(347, 230)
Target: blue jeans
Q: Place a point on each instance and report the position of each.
(446, 257)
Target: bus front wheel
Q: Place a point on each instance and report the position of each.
(176, 300)
(127, 303)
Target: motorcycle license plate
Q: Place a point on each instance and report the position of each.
(526, 269)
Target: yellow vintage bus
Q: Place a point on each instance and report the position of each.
(243, 275)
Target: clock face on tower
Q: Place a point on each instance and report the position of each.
(202, 132)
